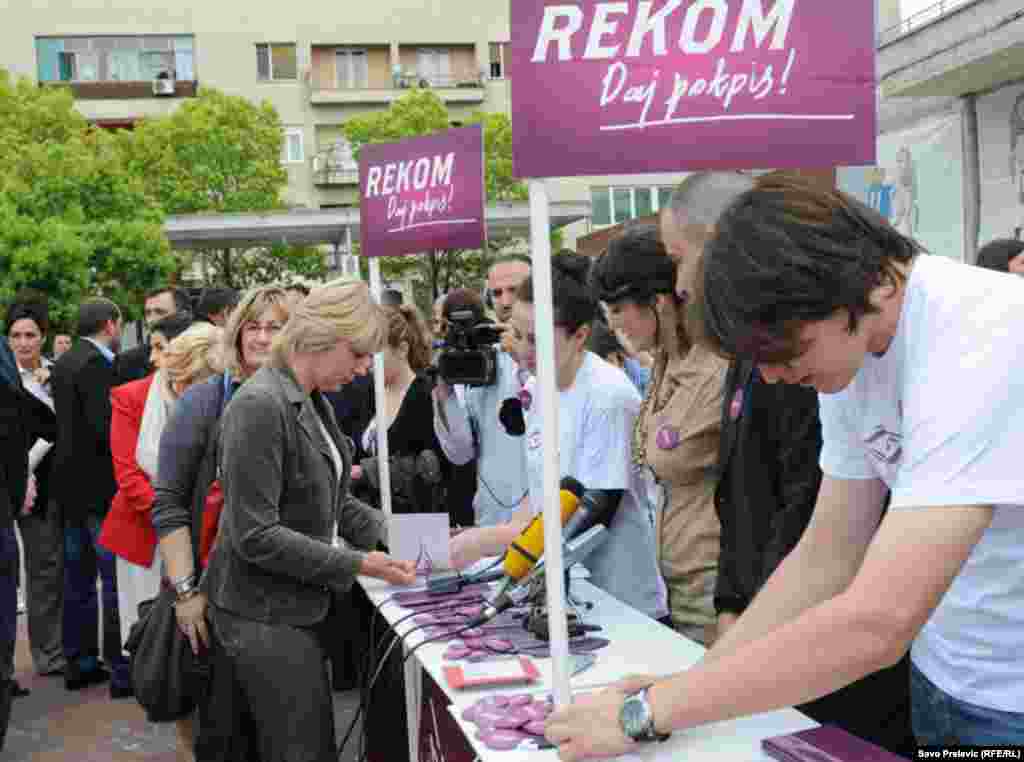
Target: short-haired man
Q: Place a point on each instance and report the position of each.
(61, 344)
(769, 479)
(85, 484)
(913, 358)
(1005, 255)
(215, 304)
(161, 302)
(503, 277)
(469, 427)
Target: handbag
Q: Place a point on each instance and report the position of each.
(168, 679)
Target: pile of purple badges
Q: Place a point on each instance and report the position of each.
(444, 617)
(508, 722)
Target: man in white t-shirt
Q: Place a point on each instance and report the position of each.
(916, 360)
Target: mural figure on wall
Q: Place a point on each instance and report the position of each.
(893, 192)
(904, 194)
(1017, 155)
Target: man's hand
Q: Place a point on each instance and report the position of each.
(589, 728)
(464, 549)
(382, 566)
(508, 339)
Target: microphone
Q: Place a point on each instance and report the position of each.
(510, 415)
(528, 547)
(575, 550)
(522, 553)
(596, 507)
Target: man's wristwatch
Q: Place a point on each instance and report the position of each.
(637, 718)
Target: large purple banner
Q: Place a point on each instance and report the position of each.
(422, 193)
(667, 85)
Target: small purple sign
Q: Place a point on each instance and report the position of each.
(422, 194)
(629, 87)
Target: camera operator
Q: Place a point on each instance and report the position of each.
(469, 424)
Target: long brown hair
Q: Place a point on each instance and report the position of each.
(406, 324)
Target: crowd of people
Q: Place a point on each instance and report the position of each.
(762, 395)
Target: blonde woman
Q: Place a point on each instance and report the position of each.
(292, 536)
(186, 483)
(183, 356)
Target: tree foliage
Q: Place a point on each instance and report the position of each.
(220, 153)
(75, 219)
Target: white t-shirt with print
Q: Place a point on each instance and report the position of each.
(940, 419)
(595, 424)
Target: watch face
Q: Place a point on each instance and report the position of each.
(634, 717)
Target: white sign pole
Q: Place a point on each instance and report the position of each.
(383, 462)
(547, 398)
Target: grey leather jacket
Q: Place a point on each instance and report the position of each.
(274, 560)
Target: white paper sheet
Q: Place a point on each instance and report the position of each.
(420, 537)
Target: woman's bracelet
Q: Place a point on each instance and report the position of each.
(185, 587)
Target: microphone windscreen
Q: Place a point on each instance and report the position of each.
(510, 415)
(528, 547)
(572, 485)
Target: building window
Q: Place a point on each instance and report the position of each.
(499, 57)
(619, 204)
(110, 58)
(434, 66)
(276, 61)
(352, 69)
(292, 150)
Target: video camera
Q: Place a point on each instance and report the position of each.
(468, 355)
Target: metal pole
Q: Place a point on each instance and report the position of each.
(547, 398)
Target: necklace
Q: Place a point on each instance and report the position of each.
(640, 424)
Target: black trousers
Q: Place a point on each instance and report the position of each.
(270, 695)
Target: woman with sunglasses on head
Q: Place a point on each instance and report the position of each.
(677, 434)
(186, 484)
(597, 407)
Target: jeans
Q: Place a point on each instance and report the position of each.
(941, 720)
(84, 558)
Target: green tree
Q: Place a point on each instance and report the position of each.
(220, 153)
(421, 112)
(75, 219)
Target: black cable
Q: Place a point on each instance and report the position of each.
(383, 662)
(365, 692)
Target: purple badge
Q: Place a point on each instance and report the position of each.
(736, 406)
(667, 438)
(525, 398)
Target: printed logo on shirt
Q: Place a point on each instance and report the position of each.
(885, 446)
(533, 441)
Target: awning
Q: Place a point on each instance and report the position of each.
(319, 226)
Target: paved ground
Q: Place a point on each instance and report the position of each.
(55, 725)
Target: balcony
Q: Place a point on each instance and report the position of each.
(119, 91)
(331, 171)
(952, 48)
(449, 90)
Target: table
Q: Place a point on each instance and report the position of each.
(638, 645)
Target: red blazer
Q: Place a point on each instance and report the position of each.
(128, 530)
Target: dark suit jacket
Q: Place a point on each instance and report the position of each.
(769, 478)
(23, 420)
(81, 381)
(132, 364)
(274, 560)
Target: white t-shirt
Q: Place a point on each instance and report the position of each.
(595, 423)
(940, 419)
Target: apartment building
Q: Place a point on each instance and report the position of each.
(950, 90)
